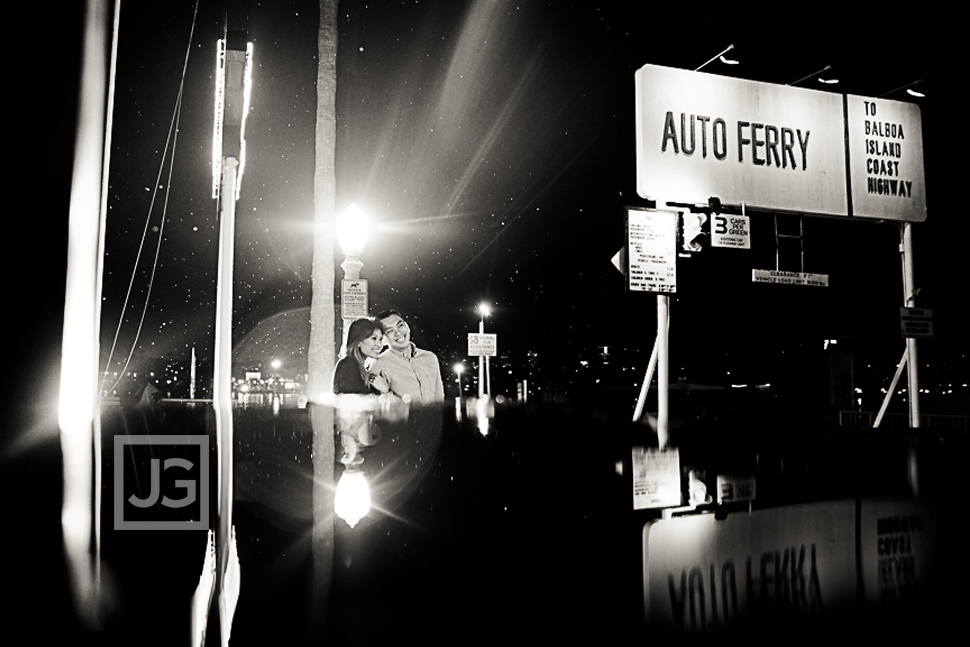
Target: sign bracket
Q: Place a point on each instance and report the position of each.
(800, 237)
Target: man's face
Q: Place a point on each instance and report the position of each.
(397, 332)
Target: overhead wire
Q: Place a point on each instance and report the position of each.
(170, 142)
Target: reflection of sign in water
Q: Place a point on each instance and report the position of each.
(898, 548)
(656, 478)
(736, 488)
(798, 562)
(353, 298)
(481, 344)
(703, 574)
(652, 251)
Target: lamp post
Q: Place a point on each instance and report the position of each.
(352, 228)
(484, 310)
(352, 498)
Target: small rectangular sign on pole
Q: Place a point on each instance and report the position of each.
(916, 323)
(353, 299)
(482, 344)
(730, 231)
(651, 257)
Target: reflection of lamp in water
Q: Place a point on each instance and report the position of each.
(482, 409)
(354, 414)
(352, 501)
(459, 369)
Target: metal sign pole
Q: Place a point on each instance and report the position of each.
(663, 358)
(909, 295)
(481, 363)
(647, 379)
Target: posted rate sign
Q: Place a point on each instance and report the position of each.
(651, 250)
(776, 147)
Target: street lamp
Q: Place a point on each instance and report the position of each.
(484, 309)
(352, 498)
(352, 228)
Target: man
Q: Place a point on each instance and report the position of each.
(413, 374)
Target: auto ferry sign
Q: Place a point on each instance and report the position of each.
(776, 147)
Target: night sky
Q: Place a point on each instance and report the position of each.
(492, 145)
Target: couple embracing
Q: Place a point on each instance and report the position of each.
(403, 369)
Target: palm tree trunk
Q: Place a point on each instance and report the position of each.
(322, 348)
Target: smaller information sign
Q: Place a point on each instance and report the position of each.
(730, 231)
(782, 277)
(482, 344)
(353, 298)
(916, 323)
(652, 251)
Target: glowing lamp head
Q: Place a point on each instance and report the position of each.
(352, 500)
(352, 227)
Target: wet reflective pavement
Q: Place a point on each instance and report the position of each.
(524, 533)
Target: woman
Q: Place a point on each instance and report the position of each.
(364, 341)
(355, 422)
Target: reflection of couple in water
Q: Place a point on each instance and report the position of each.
(402, 374)
(403, 369)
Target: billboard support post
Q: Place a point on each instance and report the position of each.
(663, 372)
(909, 300)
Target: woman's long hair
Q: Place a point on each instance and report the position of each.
(360, 330)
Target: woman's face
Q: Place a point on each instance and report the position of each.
(371, 345)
